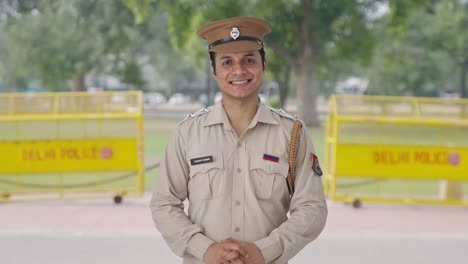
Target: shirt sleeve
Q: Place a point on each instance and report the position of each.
(167, 203)
(308, 209)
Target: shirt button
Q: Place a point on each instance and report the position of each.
(239, 170)
(237, 229)
(237, 203)
(239, 145)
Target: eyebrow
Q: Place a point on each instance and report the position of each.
(228, 57)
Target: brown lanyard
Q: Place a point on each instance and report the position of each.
(292, 155)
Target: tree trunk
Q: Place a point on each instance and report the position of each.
(306, 97)
(304, 69)
(78, 83)
(463, 92)
(283, 87)
(14, 86)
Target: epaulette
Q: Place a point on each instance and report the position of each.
(197, 113)
(283, 113)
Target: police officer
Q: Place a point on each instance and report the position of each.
(231, 163)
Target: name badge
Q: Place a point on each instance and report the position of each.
(201, 160)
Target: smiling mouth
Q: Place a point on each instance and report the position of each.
(240, 82)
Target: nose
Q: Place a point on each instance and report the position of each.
(238, 69)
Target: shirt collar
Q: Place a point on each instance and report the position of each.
(217, 115)
(265, 115)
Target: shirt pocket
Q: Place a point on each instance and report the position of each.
(206, 179)
(266, 176)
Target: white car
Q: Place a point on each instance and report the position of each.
(154, 98)
(179, 98)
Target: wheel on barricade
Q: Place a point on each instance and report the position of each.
(118, 199)
(4, 196)
(357, 203)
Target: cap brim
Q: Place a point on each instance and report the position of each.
(237, 46)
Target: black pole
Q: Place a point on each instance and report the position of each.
(208, 84)
(463, 77)
(465, 53)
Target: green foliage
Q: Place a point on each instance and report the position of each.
(141, 9)
(414, 48)
(174, 67)
(274, 102)
(424, 59)
(63, 39)
(132, 74)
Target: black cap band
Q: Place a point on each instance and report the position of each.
(227, 40)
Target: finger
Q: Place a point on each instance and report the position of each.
(237, 261)
(235, 247)
(222, 257)
(223, 261)
(243, 259)
(232, 255)
(242, 251)
(228, 246)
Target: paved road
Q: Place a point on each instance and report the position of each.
(120, 248)
(100, 232)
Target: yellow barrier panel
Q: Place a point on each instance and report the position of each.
(68, 156)
(68, 145)
(404, 161)
(397, 149)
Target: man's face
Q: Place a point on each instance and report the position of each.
(239, 74)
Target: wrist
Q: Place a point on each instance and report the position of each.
(208, 249)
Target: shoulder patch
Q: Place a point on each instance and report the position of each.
(197, 113)
(283, 113)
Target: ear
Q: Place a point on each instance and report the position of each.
(265, 65)
(213, 72)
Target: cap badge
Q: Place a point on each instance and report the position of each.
(235, 33)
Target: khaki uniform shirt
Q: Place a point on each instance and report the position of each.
(236, 187)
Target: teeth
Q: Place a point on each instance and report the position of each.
(239, 82)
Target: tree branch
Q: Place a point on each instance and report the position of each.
(282, 51)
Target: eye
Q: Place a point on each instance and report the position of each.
(226, 63)
(249, 60)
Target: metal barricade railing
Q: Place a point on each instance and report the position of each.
(397, 149)
(71, 145)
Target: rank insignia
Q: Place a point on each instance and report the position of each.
(315, 165)
(270, 158)
(235, 33)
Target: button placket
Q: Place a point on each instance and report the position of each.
(238, 194)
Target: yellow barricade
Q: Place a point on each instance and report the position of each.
(397, 149)
(71, 145)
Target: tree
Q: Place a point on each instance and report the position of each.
(305, 33)
(59, 40)
(281, 72)
(425, 56)
(314, 35)
(175, 68)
